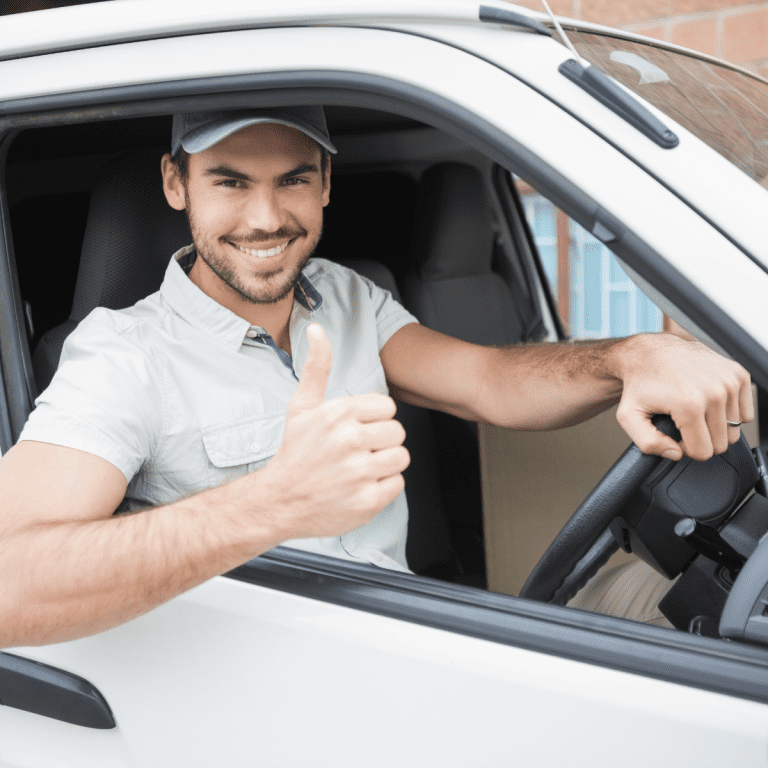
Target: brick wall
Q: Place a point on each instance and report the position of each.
(733, 30)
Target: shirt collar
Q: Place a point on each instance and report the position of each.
(207, 315)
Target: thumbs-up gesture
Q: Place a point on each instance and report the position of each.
(340, 461)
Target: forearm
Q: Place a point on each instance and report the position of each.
(549, 386)
(62, 580)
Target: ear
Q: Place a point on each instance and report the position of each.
(173, 186)
(327, 182)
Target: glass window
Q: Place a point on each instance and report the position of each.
(726, 109)
(595, 297)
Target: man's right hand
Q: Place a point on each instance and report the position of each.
(340, 461)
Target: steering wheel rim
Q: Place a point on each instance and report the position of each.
(585, 542)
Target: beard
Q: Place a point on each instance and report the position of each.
(276, 285)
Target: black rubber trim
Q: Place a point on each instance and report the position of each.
(6, 431)
(20, 389)
(512, 19)
(51, 692)
(663, 654)
(505, 186)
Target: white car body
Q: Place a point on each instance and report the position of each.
(275, 674)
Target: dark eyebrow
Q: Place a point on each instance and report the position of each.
(225, 170)
(231, 173)
(306, 168)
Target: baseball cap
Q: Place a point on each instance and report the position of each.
(198, 131)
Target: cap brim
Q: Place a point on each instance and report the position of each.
(211, 134)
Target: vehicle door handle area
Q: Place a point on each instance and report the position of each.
(51, 692)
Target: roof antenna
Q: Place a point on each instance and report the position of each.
(584, 63)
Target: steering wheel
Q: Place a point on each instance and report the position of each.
(585, 542)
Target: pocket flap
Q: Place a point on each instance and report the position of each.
(244, 441)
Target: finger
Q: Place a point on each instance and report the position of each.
(716, 418)
(379, 435)
(389, 488)
(317, 368)
(637, 424)
(746, 402)
(697, 441)
(388, 462)
(372, 407)
(732, 414)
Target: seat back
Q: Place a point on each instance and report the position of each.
(131, 234)
(455, 290)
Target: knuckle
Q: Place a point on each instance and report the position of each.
(691, 409)
(335, 408)
(621, 415)
(730, 387)
(743, 377)
(716, 395)
(353, 435)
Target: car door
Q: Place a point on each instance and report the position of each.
(298, 659)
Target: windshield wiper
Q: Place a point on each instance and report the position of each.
(598, 85)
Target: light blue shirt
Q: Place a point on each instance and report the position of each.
(181, 394)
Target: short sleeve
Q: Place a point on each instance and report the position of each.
(391, 316)
(105, 398)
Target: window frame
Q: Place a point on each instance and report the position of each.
(605, 641)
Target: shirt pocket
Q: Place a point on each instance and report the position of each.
(373, 381)
(236, 448)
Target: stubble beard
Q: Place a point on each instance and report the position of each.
(222, 267)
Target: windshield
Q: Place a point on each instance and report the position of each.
(726, 109)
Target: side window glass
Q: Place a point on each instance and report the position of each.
(594, 296)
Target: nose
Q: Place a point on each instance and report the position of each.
(264, 211)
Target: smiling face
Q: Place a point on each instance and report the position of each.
(255, 207)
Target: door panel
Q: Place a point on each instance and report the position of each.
(235, 674)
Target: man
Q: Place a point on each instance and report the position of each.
(251, 358)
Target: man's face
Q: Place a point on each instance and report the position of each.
(255, 207)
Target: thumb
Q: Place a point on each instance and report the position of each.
(647, 438)
(317, 367)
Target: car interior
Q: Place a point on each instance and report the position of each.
(420, 213)
(428, 235)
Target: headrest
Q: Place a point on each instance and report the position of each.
(454, 233)
(130, 236)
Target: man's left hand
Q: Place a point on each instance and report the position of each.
(701, 390)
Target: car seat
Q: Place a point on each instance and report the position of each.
(455, 290)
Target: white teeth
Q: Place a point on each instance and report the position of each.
(264, 254)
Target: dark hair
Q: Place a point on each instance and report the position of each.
(181, 161)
